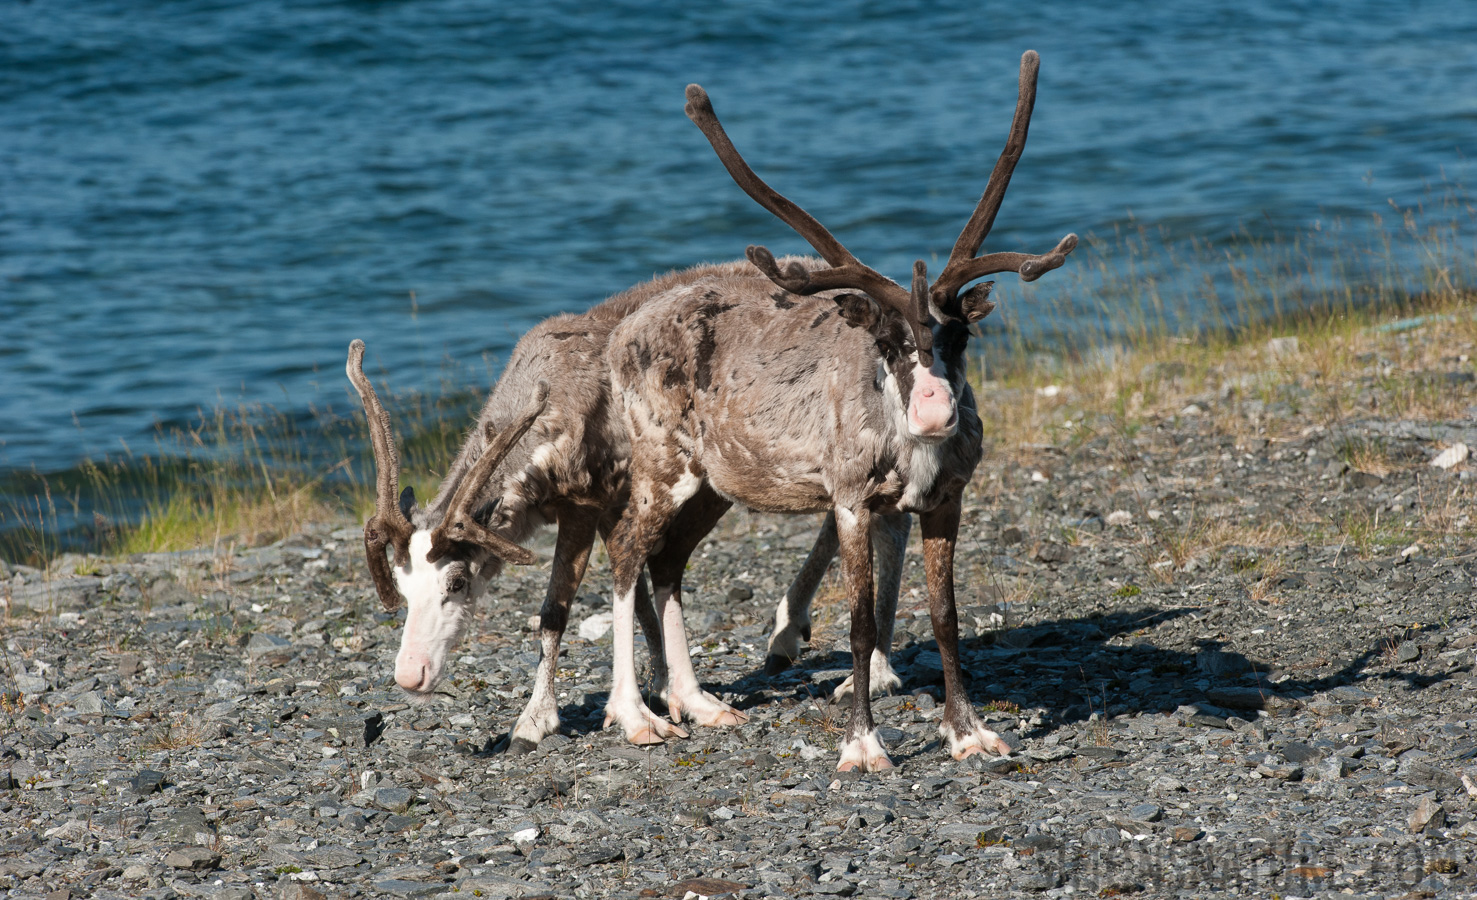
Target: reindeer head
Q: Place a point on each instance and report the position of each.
(440, 567)
(922, 332)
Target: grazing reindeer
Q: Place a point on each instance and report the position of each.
(571, 472)
(840, 391)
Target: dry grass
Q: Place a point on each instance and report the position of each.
(181, 733)
(1275, 391)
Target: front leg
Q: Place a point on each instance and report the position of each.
(861, 748)
(540, 718)
(889, 544)
(959, 726)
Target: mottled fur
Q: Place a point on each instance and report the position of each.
(783, 410)
(570, 469)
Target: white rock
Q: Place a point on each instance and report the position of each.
(1454, 455)
(1427, 813)
(597, 626)
(72, 830)
(1282, 346)
(1051, 390)
(526, 836)
(1120, 517)
(136, 872)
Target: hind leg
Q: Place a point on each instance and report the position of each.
(792, 615)
(684, 696)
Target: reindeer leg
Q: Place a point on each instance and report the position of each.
(959, 726)
(889, 543)
(792, 616)
(685, 697)
(861, 748)
(651, 626)
(653, 505)
(540, 718)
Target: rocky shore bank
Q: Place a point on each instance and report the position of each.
(1228, 628)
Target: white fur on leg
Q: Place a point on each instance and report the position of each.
(642, 726)
(684, 696)
(883, 680)
(540, 718)
(789, 625)
(865, 753)
(974, 738)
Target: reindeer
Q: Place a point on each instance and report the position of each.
(571, 472)
(840, 391)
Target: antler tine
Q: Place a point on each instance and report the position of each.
(1030, 267)
(386, 456)
(459, 524)
(963, 267)
(846, 272)
(388, 525)
(922, 336)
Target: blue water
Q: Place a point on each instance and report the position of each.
(203, 202)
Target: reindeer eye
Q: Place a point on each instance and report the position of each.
(457, 585)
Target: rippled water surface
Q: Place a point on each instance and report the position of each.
(203, 202)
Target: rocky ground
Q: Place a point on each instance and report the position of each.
(1225, 673)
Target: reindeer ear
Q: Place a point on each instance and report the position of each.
(859, 310)
(975, 303)
(407, 502)
(484, 513)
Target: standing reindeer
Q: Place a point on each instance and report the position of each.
(548, 448)
(839, 391)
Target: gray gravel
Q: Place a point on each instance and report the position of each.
(1240, 720)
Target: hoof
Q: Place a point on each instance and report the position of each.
(521, 746)
(726, 718)
(877, 765)
(864, 753)
(650, 737)
(977, 739)
(774, 664)
(704, 709)
(644, 728)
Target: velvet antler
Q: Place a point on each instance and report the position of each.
(963, 266)
(388, 526)
(460, 526)
(846, 270)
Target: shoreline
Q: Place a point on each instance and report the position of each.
(1261, 680)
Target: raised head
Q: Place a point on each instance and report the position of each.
(439, 567)
(933, 320)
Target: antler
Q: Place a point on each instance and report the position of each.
(963, 266)
(919, 310)
(846, 270)
(388, 526)
(459, 524)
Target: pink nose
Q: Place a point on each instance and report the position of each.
(413, 677)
